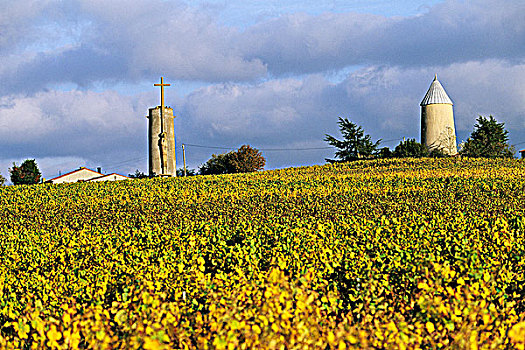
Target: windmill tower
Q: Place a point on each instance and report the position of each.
(161, 138)
(437, 120)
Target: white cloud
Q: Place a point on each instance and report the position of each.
(155, 36)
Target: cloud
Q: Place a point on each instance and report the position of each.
(384, 100)
(108, 129)
(454, 31)
(75, 123)
(17, 22)
(128, 41)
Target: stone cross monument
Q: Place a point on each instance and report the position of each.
(437, 120)
(161, 138)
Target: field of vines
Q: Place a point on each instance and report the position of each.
(371, 254)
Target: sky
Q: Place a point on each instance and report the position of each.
(76, 76)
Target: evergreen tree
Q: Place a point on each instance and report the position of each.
(410, 148)
(355, 144)
(488, 140)
(25, 174)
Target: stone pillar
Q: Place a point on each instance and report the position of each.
(161, 142)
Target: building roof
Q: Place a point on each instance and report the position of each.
(95, 173)
(436, 94)
(107, 176)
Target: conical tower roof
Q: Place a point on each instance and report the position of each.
(436, 94)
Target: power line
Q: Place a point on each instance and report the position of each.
(261, 149)
(295, 149)
(124, 162)
(113, 166)
(392, 140)
(201, 146)
(276, 149)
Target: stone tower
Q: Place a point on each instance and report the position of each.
(437, 120)
(161, 138)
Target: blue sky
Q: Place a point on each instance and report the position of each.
(77, 76)
(245, 13)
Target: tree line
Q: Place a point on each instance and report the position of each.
(244, 160)
(488, 140)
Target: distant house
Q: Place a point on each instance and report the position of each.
(109, 177)
(84, 174)
(522, 152)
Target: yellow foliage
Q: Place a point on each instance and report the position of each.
(413, 253)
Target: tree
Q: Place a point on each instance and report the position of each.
(410, 148)
(2, 180)
(245, 159)
(384, 153)
(189, 172)
(138, 175)
(355, 144)
(25, 174)
(217, 164)
(445, 144)
(438, 153)
(488, 140)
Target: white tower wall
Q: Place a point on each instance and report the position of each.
(437, 128)
(437, 120)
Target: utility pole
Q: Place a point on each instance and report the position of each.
(184, 159)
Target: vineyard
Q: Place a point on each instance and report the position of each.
(389, 253)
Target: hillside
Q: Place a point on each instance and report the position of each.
(404, 253)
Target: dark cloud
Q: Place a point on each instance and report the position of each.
(82, 65)
(454, 31)
(74, 124)
(130, 41)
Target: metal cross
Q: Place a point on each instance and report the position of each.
(161, 91)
